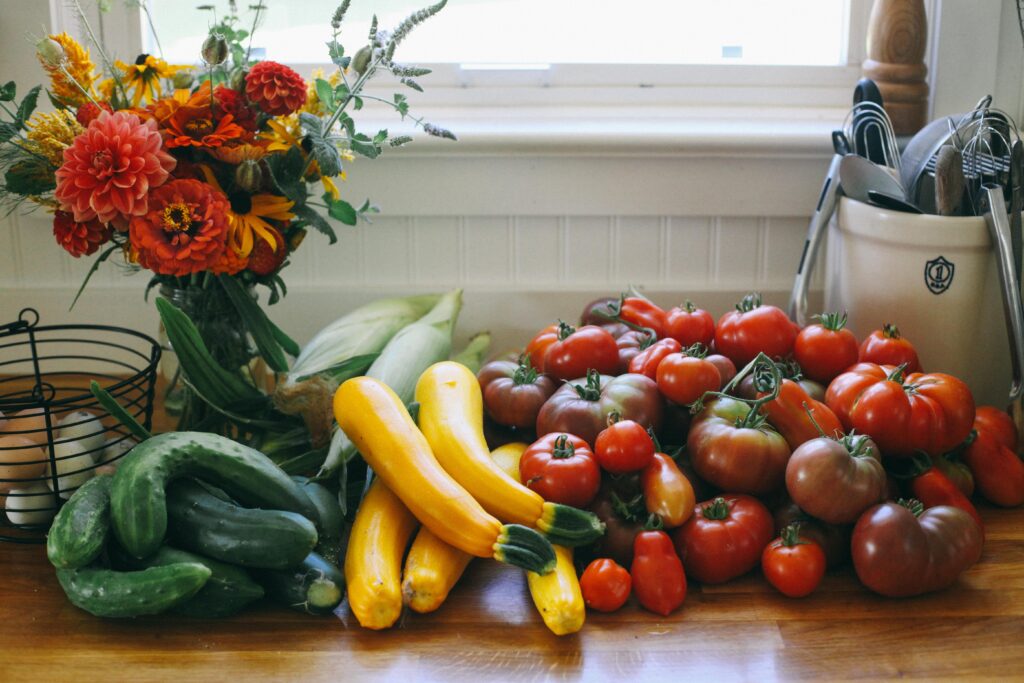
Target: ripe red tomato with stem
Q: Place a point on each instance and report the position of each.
(754, 328)
(624, 446)
(888, 347)
(824, 350)
(647, 361)
(567, 352)
(605, 585)
(659, 580)
(690, 325)
(794, 565)
(724, 538)
(686, 376)
(998, 423)
(562, 469)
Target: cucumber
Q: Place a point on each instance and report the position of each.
(81, 527)
(314, 587)
(138, 500)
(205, 524)
(108, 593)
(228, 590)
(332, 522)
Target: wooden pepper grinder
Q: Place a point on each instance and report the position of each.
(897, 33)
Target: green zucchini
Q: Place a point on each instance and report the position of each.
(108, 593)
(332, 522)
(80, 529)
(228, 590)
(138, 499)
(206, 524)
(315, 586)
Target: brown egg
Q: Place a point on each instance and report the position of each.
(31, 423)
(20, 459)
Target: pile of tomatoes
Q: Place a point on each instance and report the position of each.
(806, 449)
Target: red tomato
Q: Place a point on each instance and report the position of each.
(643, 313)
(630, 344)
(562, 469)
(566, 352)
(624, 446)
(998, 423)
(887, 347)
(690, 325)
(724, 538)
(647, 361)
(683, 379)
(826, 349)
(998, 472)
(927, 412)
(513, 392)
(933, 488)
(726, 368)
(667, 492)
(605, 585)
(754, 328)
(659, 581)
(792, 564)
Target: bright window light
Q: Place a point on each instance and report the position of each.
(513, 33)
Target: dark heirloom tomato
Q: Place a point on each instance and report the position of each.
(726, 368)
(998, 423)
(690, 325)
(824, 350)
(887, 347)
(620, 525)
(736, 458)
(754, 328)
(514, 392)
(724, 538)
(667, 492)
(898, 552)
(599, 311)
(562, 469)
(920, 412)
(647, 361)
(834, 539)
(582, 406)
(836, 481)
(630, 344)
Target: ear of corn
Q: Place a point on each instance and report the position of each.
(558, 596)
(373, 561)
(412, 350)
(431, 570)
(472, 354)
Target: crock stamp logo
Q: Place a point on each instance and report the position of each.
(938, 275)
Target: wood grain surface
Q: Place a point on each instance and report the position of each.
(489, 630)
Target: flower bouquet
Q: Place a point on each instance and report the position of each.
(207, 176)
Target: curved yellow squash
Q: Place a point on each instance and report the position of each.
(507, 458)
(373, 561)
(558, 596)
(431, 571)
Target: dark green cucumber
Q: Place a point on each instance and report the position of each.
(80, 529)
(315, 586)
(108, 593)
(228, 590)
(138, 500)
(206, 524)
(332, 522)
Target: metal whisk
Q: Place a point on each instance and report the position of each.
(867, 122)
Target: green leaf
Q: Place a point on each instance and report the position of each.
(346, 369)
(111, 405)
(381, 136)
(286, 172)
(313, 218)
(7, 91)
(256, 321)
(337, 54)
(339, 209)
(357, 103)
(325, 93)
(30, 177)
(95, 266)
(28, 105)
(290, 346)
(324, 151)
(362, 144)
(7, 131)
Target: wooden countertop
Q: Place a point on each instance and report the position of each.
(489, 630)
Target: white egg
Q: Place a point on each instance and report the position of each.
(75, 466)
(84, 427)
(32, 504)
(115, 448)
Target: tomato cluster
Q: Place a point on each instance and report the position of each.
(639, 412)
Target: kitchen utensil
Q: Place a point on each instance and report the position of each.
(949, 180)
(993, 205)
(888, 201)
(815, 230)
(1017, 203)
(839, 143)
(867, 121)
(869, 130)
(858, 176)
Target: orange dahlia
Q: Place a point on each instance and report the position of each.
(111, 168)
(192, 124)
(184, 231)
(79, 239)
(275, 88)
(232, 102)
(230, 262)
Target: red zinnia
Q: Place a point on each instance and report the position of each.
(79, 239)
(111, 168)
(263, 260)
(275, 88)
(185, 230)
(231, 102)
(89, 111)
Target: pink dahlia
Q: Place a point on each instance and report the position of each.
(79, 239)
(110, 169)
(185, 229)
(275, 88)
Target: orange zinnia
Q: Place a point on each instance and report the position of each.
(192, 124)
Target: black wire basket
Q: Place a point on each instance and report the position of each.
(54, 434)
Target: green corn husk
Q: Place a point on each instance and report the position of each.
(415, 348)
(472, 354)
(358, 336)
